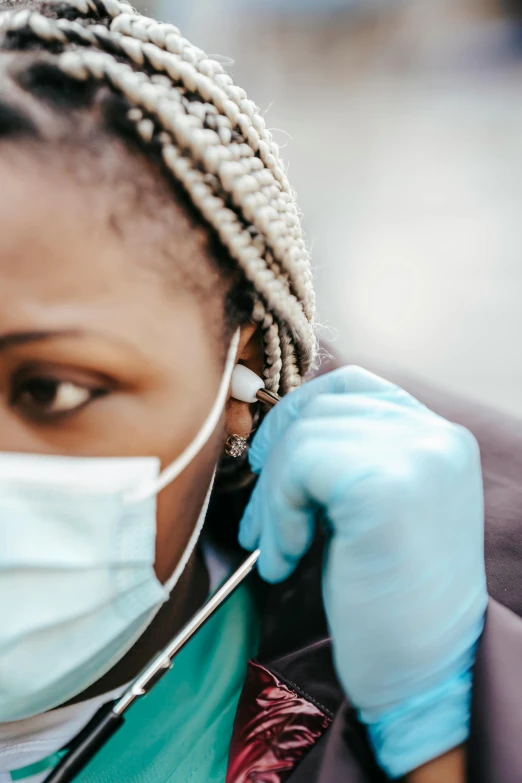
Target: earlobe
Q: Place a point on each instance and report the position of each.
(247, 390)
(240, 413)
(244, 387)
(239, 421)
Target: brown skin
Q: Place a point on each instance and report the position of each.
(107, 323)
(449, 768)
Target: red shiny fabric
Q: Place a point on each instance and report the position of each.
(274, 728)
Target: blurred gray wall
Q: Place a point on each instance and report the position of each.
(405, 147)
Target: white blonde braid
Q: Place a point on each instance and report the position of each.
(213, 141)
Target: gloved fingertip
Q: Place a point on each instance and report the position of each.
(272, 573)
(272, 429)
(272, 567)
(248, 536)
(256, 458)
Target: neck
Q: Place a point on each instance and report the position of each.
(186, 598)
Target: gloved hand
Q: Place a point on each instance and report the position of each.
(404, 584)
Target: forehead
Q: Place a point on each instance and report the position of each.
(75, 254)
(56, 249)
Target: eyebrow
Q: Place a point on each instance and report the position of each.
(12, 339)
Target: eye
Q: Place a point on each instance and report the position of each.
(46, 397)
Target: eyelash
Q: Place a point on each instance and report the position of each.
(35, 409)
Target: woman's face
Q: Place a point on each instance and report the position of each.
(101, 354)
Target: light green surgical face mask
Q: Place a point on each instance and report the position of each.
(77, 581)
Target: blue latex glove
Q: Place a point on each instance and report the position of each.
(404, 584)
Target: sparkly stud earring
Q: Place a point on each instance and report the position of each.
(247, 387)
(235, 446)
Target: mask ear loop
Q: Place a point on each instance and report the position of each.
(193, 540)
(177, 467)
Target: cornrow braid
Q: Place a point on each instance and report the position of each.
(211, 139)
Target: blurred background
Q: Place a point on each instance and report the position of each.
(402, 127)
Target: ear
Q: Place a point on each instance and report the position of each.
(240, 415)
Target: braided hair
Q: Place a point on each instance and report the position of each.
(185, 112)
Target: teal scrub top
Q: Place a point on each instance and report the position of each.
(181, 731)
